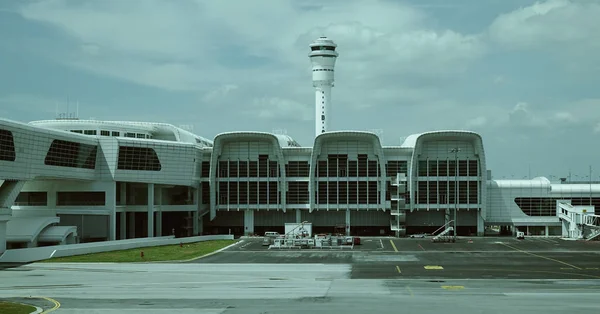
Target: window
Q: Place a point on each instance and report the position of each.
(537, 206)
(117, 134)
(395, 166)
(138, 158)
(89, 132)
(205, 169)
(322, 117)
(77, 131)
(80, 198)
(140, 135)
(105, 133)
(223, 169)
(129, 134)
(297, 169)
(297, 193)
(71, 154)
(32, 199)
(7, 146)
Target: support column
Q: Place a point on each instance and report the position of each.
(123, 230)
(195, 223)
(5, 214)
(123, 200)
(480, 224)
(347, 222)
(159, 196)
(150, 210)
(298, 215)
(546, 231)
(248, 222)
(131, 222)
(111, 203)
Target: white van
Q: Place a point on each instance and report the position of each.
(270, 237)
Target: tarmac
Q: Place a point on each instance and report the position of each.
(384, 275)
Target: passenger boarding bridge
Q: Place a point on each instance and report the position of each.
(578, 222)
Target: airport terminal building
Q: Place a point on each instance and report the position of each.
(68, 180)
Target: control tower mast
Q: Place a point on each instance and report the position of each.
(322, 56)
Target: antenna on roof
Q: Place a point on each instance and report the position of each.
(77, 112)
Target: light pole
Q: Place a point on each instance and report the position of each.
(455, 150)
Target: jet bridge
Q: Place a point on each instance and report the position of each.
(578, 222)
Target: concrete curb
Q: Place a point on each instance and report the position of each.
(212, 253)
(38, 310)
(198, 257)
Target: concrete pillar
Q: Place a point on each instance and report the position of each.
(5, 214)
(158, 231)
(298, 215)
(159, 197)
(131, 222)
(195, 223)
(248, 222)
(347, 222)
(150, 210)
(480, 224)
(111, 204)
(123, 200)
(446, 216)
(546, 231)
(123, 230)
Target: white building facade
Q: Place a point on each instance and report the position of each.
(69, 181)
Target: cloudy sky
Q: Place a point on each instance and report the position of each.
(524, 74)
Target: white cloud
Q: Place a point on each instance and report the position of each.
(219, 93)
(274, 108)
(197, 45)
(554, 26)
(477, 122)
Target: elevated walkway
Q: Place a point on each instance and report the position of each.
(578, 222)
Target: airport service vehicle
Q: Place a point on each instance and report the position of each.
(299, 236)
(270, 237)
(520, 235)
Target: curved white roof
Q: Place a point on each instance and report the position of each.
(411, 140)
(284, 140)
(156, 129)
(567, 188)
(541, 182)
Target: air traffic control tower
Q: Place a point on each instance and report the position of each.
(322, 56)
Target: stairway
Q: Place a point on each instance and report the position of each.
(398, 205)
(444, 235)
